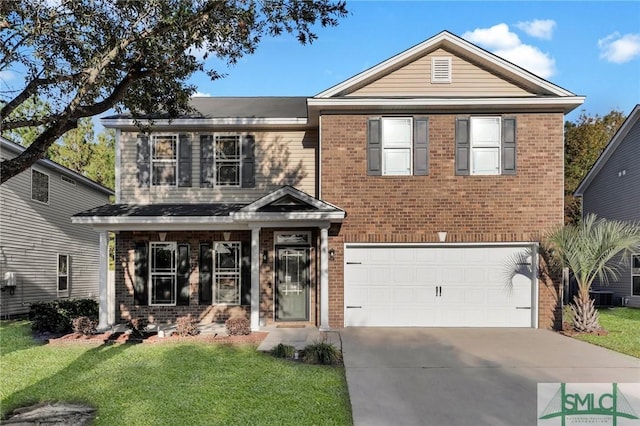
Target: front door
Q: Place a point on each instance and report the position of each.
(292, 284)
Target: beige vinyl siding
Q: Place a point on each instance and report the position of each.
(282, 158)
(414, 79)
(33, 233)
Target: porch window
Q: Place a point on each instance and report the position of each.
(164, 160)
(163, 273)
(635, 274)
(63, 274)
(227, 276)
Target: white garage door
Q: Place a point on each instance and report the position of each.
(453, 286)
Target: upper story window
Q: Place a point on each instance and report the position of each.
(227, 160)
(164, 160)
(485, 146)
(39, 186)
(398, 146)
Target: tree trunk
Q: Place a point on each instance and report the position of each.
(585, 315)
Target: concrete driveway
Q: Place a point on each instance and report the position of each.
(466, 376)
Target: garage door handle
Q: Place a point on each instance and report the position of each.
(354, 307)
(523, 307)
(354, 263)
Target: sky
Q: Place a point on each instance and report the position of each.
(591, 48)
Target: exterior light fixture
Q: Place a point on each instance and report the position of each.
(265, 256)
(332, 254)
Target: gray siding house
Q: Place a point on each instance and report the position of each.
(611, 190)
(43, 256)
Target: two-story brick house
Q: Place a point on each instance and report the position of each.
(413, 194)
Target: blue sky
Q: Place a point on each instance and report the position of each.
(589, 48)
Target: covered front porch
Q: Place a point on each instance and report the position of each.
(267, 260)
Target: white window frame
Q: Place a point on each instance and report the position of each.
(217, 160)
(172, 272)
(48, 186)
(389, 147)
(174, 161)
(477, 145)
(219, 273)
(635, 272)
(435, 77)
(67, 275)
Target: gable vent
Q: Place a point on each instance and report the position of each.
(440, 70)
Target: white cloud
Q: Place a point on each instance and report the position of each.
(199, 94)
(618, 48)
(538, 28)
(501, 41)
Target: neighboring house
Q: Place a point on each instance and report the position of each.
(610, 190)
(413, 194)
(43, 256)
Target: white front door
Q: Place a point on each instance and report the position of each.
(461, 286)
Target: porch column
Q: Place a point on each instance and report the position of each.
(103, 282)
(255, 279)
(324, 279)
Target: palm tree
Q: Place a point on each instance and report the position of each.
(588, 249)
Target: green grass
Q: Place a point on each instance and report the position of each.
(623, 325)
(170, 383)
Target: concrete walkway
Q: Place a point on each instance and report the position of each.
(466, 376)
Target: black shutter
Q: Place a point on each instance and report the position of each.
(509, 146)
(143, 160)
(245, 273)
(374, 147)
(248, 162)
(463, 147)
(421, 146)
(206, 161)
(184, 159)
(184, 270)
(205, 264)
(141, 274)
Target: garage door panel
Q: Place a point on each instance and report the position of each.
(435, 286)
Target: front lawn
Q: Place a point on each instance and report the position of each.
(169, 383)
(623, 325)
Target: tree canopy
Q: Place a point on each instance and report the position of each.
(86, 57)
(584, 140)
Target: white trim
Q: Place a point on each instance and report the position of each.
(473, 147)
(324, 279)
(277, 234)
(105, 301)
(205, 122)
(152, 220)
(118, 160)
(237, 274)
(280, 216)
(48, 186)
(633, 274)
(566, 103)
(281, 192)
(320, 157)
(409, 147)
(436, 245)
(255, 279)
(613, 144)
(151, 141)
(450, 40)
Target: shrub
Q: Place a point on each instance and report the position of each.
(55, 316)
(283, 351)
(238, 326)
(322, 353)
(137, 326)
(84, 325)
(187, 326)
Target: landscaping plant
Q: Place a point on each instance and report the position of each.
(84, 325)
(187, 326)
(321, 352)
(238, 326)
(589, 249)
(282, 350)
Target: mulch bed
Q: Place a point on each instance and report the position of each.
(152, 338)
(568, 330)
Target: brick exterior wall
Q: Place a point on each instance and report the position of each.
(396, 209)
(126, 308)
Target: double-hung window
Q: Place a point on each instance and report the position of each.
(164, 160)
(162, 273)
(635, 274)
(39, 186)
(227, 160)
(485, 145)
(227, 273)
(396, 146)
(63, 274)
